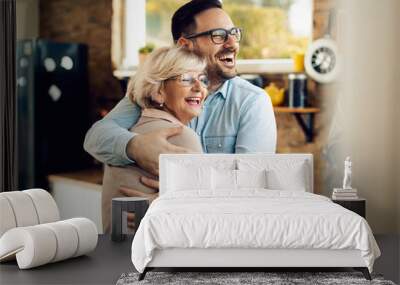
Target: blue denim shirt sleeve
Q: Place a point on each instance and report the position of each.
(107, 139)
(257, 130)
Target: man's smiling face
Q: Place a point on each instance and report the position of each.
(221, 58)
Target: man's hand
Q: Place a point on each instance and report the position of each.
(146, 148)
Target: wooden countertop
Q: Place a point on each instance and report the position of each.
(91, 176)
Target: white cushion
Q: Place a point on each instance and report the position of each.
(33, 246)
(224, 179)
(26, 208)
(182, 177)
(290, 176)
(7, 220)
(251, 178)
(41, 244)
(87, 233)
(67, 237)
(282, 174)
(23, 208)
(45, 206)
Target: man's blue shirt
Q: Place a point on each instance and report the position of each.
(237, 118)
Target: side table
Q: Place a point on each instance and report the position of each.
(358, 206)
(121, 206)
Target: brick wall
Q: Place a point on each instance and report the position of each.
(89, 22)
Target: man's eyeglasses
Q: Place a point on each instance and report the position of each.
(219, 36)
(189, 80)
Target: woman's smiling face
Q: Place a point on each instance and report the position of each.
(184, 95)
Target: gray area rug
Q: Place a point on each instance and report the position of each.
(233, 278)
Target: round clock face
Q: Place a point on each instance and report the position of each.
(321, 61)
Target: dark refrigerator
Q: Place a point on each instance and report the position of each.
(52, 108)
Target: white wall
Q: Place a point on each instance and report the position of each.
(398, 143)
(368, 96)
(76, 198)
(27, 19)
(398, 136)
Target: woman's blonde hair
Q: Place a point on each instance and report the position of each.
(162, 64)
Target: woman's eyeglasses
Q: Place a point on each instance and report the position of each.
(220, 36)
(189, 80)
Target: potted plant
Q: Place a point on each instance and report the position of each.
(144, 51)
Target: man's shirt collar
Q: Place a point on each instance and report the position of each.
(223, 89)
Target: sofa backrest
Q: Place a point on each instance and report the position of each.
(26, 208)
(195, 171)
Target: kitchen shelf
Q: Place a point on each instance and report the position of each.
(304, 117)
(296, 110)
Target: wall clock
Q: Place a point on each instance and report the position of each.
(321, 61)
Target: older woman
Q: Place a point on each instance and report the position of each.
(170, 88)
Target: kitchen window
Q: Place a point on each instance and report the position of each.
(273, 29)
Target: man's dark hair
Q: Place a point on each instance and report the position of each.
(183, 22)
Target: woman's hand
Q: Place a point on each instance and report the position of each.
(146, 148)
(152, 183)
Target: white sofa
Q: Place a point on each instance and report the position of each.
(31, 233)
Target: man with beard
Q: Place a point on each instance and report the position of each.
(237, 116)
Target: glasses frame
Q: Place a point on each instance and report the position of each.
(210, 32)
(179, 78)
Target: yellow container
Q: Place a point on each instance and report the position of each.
(298, 62)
